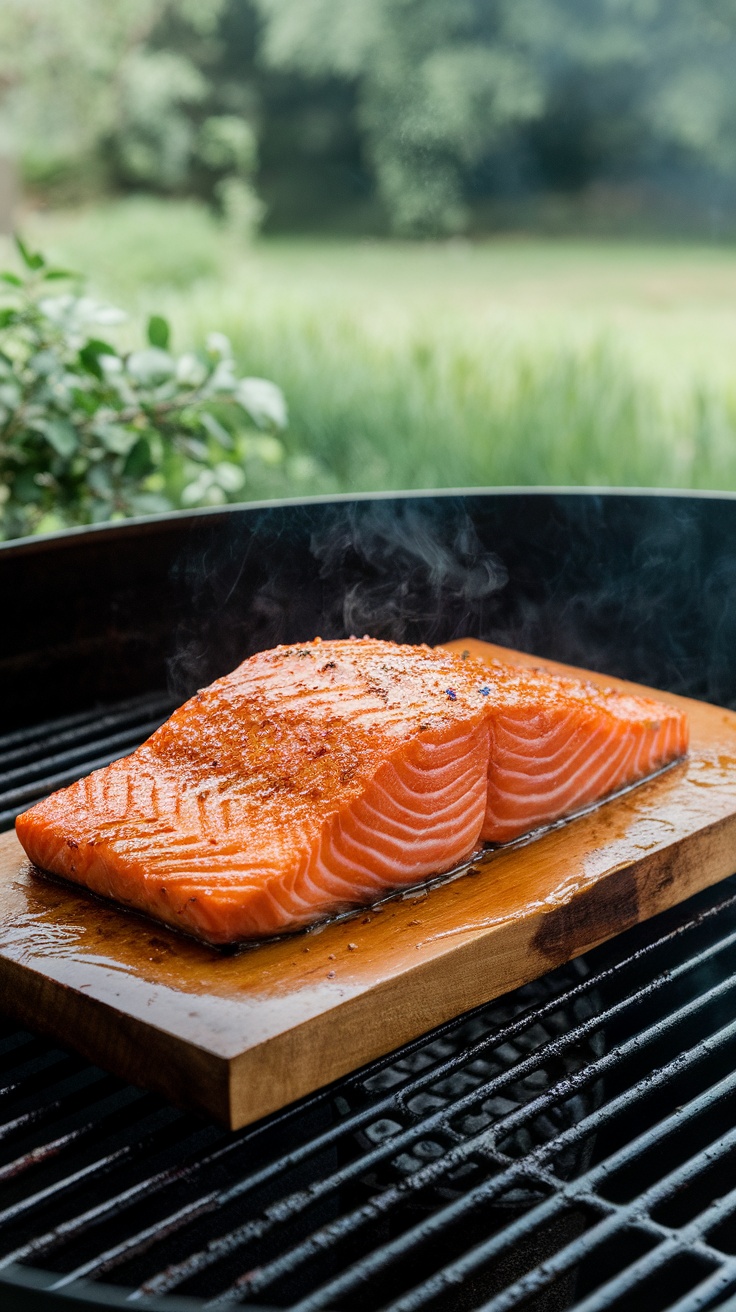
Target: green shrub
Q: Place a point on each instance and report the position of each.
(89, 433)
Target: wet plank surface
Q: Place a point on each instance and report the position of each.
(240, 1035)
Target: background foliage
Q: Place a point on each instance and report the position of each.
(445, 364)
(156, 137)
(89, 432)
(126, 96)
(423, 116)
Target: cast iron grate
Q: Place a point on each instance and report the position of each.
(572, 1145)
(34, 762)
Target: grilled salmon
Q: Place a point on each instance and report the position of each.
(320, 776)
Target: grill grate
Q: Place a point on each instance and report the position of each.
(34, 762)
(572, 1145)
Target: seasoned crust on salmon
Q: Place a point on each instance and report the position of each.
(322, 775)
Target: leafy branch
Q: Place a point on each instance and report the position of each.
(89, 433)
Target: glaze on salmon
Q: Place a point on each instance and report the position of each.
(322, 775)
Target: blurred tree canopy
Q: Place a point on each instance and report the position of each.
(111, 94)
(411, 115)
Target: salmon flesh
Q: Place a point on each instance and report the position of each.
(320, 776)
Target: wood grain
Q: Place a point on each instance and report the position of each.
(240, 1035)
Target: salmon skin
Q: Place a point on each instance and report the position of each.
(322, 775)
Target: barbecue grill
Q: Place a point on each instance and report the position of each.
(571, 1145)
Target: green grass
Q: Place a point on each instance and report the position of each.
(412, 366)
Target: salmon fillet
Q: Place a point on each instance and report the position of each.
(320, 776)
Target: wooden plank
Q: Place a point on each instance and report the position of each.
(240, 1035)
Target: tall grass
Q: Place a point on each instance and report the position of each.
(433, 415)
(431, 405)
(437, 367)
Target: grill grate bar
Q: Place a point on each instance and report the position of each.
(636, 1213)
(50, 1191)
(67, 1230)
(56, 754)
(64, 764)
(175, 1275)
(582, 1192)
(143, 1239)
(109, 749)
(513, 1173)
(52, 1148)
(101, 717)
(715, 1285)
(567, 1259)
(585, 1247)
(49, 1150)
(148, 1140)
(20, 1078)
(25, 757)
(615, 1219)
(58, 1107)
(21, 798)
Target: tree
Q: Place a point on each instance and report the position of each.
(439, 84)
(122, 94)
(430, 105)
(570, 89)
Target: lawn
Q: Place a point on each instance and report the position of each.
(505, 362)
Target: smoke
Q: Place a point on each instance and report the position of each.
(407, 570)
(639, 586)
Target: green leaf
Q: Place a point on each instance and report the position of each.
(59, 273)
(115, 438)
(43, 363)
(149, 503)
(100, 481)
(150, 367)
(87, 402)
(62, 436)
(31, 259)
(99, 347)
(25, 488)
(263, 401)
(139, 462)
(201, 488)
(10, 394)
(190, 370)
(159, 333)
(100, 510)
(267, 449)
(218, 346)
(11, 278)
(49, 523)
(196, 450)
(89, 360)
(230, 477)
(216, 430)
(7, 317)
(89, 355)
